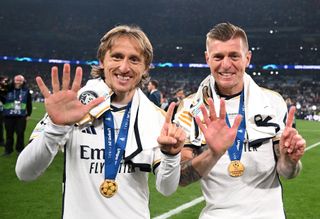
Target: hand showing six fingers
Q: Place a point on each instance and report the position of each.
(172, 137)
(291, 144)
(62, 104)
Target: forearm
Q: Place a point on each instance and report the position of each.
(39, 153)
(168, 174)
(197, 167)
(288, 169)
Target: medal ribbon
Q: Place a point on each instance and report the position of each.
(114, 149)
(235, 150)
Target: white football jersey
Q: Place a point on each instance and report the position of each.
(257, 194)
(84, 148)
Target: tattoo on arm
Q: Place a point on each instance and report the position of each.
(188, 174)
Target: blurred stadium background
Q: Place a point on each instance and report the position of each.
(284, 36)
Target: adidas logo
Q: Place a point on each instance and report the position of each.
(89, 130)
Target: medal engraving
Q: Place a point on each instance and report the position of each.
(235, 168)
(108, 188)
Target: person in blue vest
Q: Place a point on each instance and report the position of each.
(17, 108)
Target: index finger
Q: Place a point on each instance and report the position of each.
(170, 112)
(290, 117)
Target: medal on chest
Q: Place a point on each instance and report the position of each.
(113, 151)
(236, 168)
(108, 188)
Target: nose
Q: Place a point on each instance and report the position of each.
(226, 63)
(124, 66)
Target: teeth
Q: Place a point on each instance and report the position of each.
(226, 74)
(126, 78)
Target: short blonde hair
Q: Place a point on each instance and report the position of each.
(225, 32)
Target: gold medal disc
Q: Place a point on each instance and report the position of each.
(108, 188)
(236, 168)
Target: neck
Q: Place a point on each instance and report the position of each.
(123, 98)
(228, 92)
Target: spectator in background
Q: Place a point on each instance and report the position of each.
(154, 94)
(179, 95)
(177, 98)
(17, 107)
(164, 101)
(243, 138)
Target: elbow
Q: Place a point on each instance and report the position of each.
(22, 174)
(167, 188)
(183, 183)
(167, 192)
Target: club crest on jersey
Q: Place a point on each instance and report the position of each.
(87, 96)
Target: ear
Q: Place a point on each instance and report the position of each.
(248, 57)
(206, 56)
(101, 63)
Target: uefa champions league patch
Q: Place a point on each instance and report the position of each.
(87, 96)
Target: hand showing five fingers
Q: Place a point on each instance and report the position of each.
(172, 137)
(219, 137)
(62, 105)
(291, 144)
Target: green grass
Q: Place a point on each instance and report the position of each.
(42, 198)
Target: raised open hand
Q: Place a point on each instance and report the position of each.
(291, 144)
(62, 105)
(219, 137)
(172, 137)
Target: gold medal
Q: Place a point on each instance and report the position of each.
(236, 168)
(108, 188)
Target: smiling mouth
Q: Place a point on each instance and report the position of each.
(123, 78)
(226, 74)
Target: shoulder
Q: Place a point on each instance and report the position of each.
(272, 95)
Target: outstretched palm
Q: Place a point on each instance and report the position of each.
(62, 106)
(219, 137)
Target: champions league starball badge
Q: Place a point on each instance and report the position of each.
(108, 188)
(87, 96)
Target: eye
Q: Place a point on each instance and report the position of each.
(217, 57)
(116, 57)
(135, 60)
(235, 56)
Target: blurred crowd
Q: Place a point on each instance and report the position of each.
(301, 89)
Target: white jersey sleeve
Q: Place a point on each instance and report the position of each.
(167, 173)
(43, 147)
